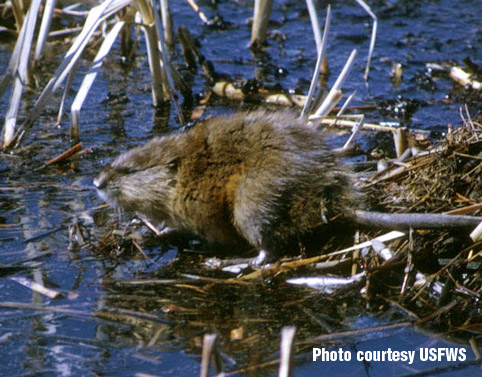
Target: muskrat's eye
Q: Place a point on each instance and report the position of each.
(173, 165)
(122, 170)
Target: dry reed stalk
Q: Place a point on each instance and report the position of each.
(167, 23)
(315, 24)
(354, 132)
(330, 100)
(18, 72)
(262, 12)
(321, 54)
(198, 11)
(44, 29)
(341, 111)
(95, 17)
(373, 37)
(209, 341)
(65, 93)
(286, 346)
(90, 77)
(160, 86)
(171, 74)
(19, 10)
(464, 78)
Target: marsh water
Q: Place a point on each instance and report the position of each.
(121, 314)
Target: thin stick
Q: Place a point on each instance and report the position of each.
(91, 75)
(96, 16)
(44, 28)
(68, 153)
(321, 54)
(166, 64)
(404, 221)
(315, 24)
(328, 103)
(373, 37)
(343, 108)
(167, 23)
(65, 93)
(355, 131)
(160, 86)
(36, 287)
(196, 9)
(19, 71)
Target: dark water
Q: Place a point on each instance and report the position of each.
(115, 329)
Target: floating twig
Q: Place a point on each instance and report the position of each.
(68, 153)
(34, 286)
(196, 9)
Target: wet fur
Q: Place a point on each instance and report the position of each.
(262, 177)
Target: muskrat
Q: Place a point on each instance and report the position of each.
(265, 178)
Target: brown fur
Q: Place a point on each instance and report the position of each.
(262, 177)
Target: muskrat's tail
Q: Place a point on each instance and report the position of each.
(405, 221)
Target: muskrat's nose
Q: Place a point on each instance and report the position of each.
(97, 182)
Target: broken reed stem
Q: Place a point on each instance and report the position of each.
(400, 140)
(329, 101)
(262, 12)
(463, 78)
(286, 345)
(209, 341)
(343, 108)
(89, 79)
(65, 93)
(373, 37)
(315, 24)
(18, 68)
(188, 47)
(168, 70)
(355, 131)
(192, 52)
(160, 86)
(18, 13)
(36, 287)
(321, 53)
(95, 17)
(167, 23)
(44, 29)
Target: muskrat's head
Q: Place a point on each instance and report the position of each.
(141, 180)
